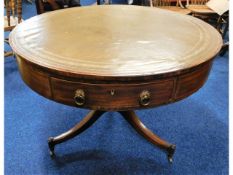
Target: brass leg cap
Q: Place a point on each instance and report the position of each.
(170, 153)
(51, 146)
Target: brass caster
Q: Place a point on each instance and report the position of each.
(170, 153)
(51, 146)
(170, 160)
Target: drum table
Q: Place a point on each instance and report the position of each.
(114, 58)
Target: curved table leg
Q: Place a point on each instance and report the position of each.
(135, 122)
(90, 118)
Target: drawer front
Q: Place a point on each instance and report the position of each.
(113, 96)
(191, 82)
(36, 80)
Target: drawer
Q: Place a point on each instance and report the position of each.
(36, 80)
(189, 83)
(112, 96)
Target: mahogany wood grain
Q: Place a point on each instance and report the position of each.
(126, 93)
(112, 96)
(87, 122)
(115, 58)
(189, 83)
(36, 80)
(135, 122)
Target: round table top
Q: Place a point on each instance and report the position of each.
(115, 41)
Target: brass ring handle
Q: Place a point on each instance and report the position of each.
(144, 99)
(79, 97)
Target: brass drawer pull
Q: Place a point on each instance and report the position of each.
(79, 97)
(144, 99)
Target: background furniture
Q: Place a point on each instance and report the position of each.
(214, 12)
(12, 18)
(223, 28)
(222, 24)
(199, 9)
(198, 6)
(169, 5)
(43, 6)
